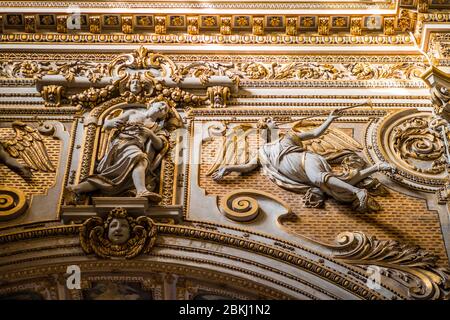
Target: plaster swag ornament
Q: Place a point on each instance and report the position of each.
(299, 162)
(119, 236)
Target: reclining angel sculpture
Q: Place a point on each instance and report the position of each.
(28, 146)
(136, 140)
(299, 162)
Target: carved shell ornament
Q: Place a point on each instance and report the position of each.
(118, 236)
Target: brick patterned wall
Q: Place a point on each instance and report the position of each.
(41, 181)
(403, 218)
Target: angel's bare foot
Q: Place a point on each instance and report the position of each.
(362, 196)
(151, 196)
(70, 196)
(219, 174)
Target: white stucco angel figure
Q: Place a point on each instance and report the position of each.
(136, 144)
(298, 162)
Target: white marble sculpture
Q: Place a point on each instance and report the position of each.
(293, 166)
(134, 153)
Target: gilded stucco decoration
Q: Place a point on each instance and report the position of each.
(419, 145)
(241, 205)
(327, 71)
(299, 162)
(13, 203)
(27, 145)
(409, 140)
(409, 264)
(212, 94)
(118, 236)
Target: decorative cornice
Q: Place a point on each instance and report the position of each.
(186, 39)
(228, 240)
(214, 4)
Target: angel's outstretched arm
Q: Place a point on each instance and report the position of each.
(242, 168)
(317, 132)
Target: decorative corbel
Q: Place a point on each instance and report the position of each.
(52, 95)
(291, 26)
(30, 24)
(127, 24)
(356, 26)
(258, 26)
(137, 236)
(324, 26)
(439, 83)
(94, 24)
(225, 25)
(218, 96)
(193, 25)
(61, 24)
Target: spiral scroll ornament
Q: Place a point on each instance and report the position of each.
(13, 203)
(419, 146)
(240, 206)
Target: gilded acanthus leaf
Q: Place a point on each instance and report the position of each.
(418, 268)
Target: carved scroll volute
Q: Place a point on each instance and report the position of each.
(407, 139)
(12, 203)
(242, 206)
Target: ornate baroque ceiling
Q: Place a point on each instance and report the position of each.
(222, 67)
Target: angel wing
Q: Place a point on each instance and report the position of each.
(28, 145)
(106, 135)
(332, 144)
(234, 148)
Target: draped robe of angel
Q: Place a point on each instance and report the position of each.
(137, 145)
(292, 165)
